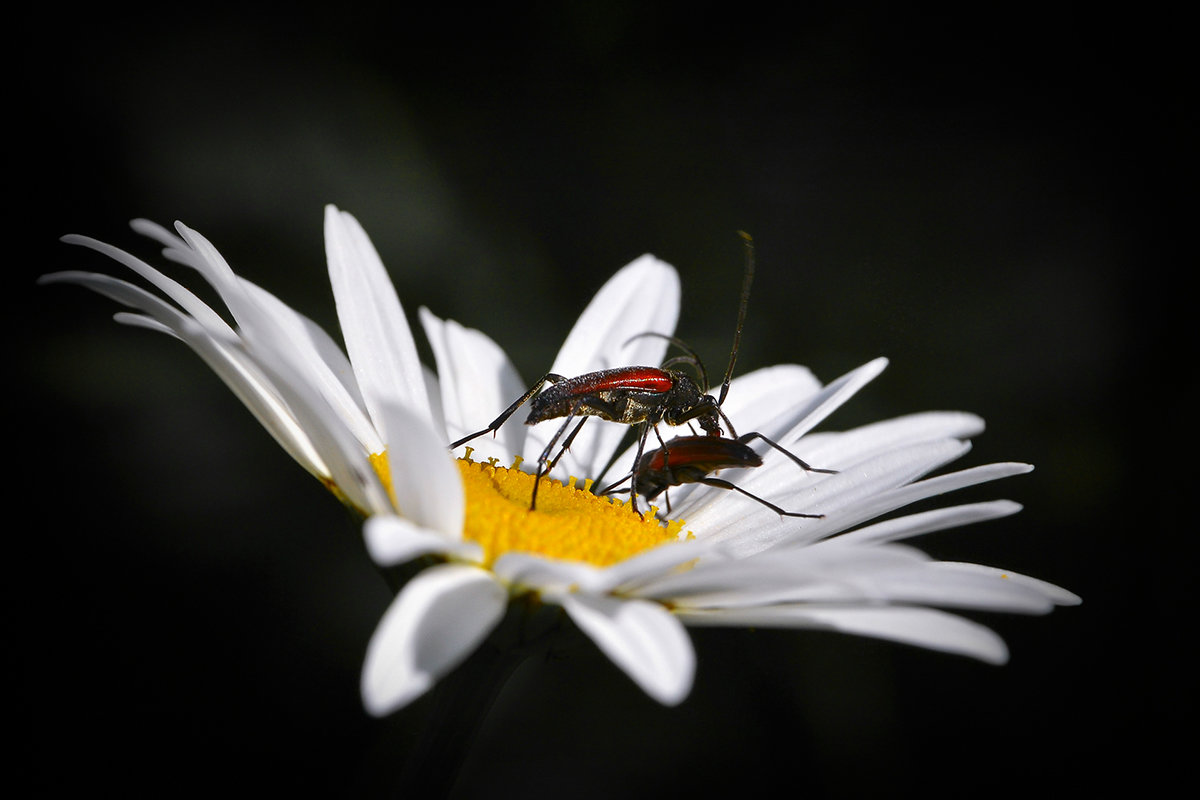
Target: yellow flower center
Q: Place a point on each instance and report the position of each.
(569, 523)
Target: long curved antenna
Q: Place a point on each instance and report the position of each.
(737, 335)
(613, 486)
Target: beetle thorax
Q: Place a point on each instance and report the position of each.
(686, 402)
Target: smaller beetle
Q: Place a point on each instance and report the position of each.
(692, 459)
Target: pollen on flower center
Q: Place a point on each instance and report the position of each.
(569, 523)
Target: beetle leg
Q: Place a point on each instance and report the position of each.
(647, 426)
(495, 424)
(723, 484)
(795, 458)
(544, 458)
(566, 445)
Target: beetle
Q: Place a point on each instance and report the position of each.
(692, 459)
(636, 395)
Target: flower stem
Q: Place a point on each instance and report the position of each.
(463, 699)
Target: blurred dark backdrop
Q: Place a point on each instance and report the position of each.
(986, 197)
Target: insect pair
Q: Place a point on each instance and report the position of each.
(646, 396)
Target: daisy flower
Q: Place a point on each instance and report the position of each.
(373, 424)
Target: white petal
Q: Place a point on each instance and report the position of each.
(212, 265)
(284, 365)
(550, 577)
(435, 622)
(395, 540)
(819, 406)
(323, 364)
(554, 578)
(641, 297)
(766, 400)
(840, 449)
(833, 572)
(842, 498)
(425, 481)
(1055, 594)
(923, 627)
(948, 585)
(838, 572)
(477, 381)
(642, 638)
(816, 574)
(221, 351)
(929, 521)
(376, 333)
(627, 576)
(189, 302)
(886, 500)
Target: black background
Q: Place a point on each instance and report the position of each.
(990, 198)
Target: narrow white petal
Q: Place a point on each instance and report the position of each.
(255, 327)
(626, 577)
(923, 627)
(425, 481)
(838, 449)
(641, 297)
(836, 572)
(929, 521)
(943, 585)
(376, 333)
(890, 499)
(281, 360)
(812, 574)
(839, 497)
(323, 364)
(142, 321)
(819, 406)
(551, 577)
(767, 399)
(436, 621)
(554, 578)
(188, 301)
(276, 356)
(1055, 594)
(477, 382)
(395, 540)
(222, 353)
(642, 638)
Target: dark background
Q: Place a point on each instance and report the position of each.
(986, 197)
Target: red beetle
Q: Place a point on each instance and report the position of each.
(691, 459)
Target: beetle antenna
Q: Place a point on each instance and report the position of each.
(612, 487)
(737, 335)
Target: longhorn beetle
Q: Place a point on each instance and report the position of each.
(638, 395)
(690, 459)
